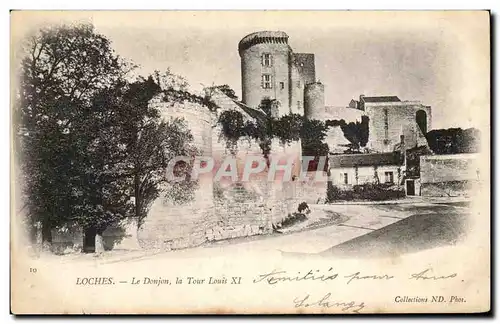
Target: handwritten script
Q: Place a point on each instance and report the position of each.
(327, 302)
(282, 276)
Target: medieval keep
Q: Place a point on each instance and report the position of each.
(271, 70)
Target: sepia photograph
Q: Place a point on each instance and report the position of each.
(250, 162)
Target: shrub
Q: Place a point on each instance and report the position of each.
(292, 219)
(369, 191)
(332, 192)
(303, 206)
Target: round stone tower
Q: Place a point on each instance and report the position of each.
(169, 224)
(265, 62)
(314, 100)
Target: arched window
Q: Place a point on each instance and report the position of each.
(421, 119)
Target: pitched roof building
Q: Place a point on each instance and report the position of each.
(357, 169)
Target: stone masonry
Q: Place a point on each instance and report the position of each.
(449, 175)
(220, 210)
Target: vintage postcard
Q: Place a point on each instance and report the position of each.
(250, 162)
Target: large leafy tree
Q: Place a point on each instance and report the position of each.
(168, 80)
(92, 148)
(127, 146)
(454, 140)
(101, 189)
(149, 142)
(313, 136)
(225, 89)
(63, 69)
(357, 133)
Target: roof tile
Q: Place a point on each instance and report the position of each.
(372, 159)
(382, 99)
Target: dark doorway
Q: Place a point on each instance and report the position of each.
(410, 187)
(421, 119)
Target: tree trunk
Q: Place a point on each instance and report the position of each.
(33, 233)
(46, 236)
(136, 193)
(99, 243)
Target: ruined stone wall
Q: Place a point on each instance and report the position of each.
(401, 120)
(198, 118)
(220, 210)
(244, 209)
(169, 225)
(257, 203)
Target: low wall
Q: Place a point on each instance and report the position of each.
(240, 220)
(70, 238)
(462, 188)
(238, 210)
(170, 227)
(66, 239)
(451, 175)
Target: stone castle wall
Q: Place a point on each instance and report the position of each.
(225, 209)
(401, 120)
(169, 225)
(449, 175)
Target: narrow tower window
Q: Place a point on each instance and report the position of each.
(266, 81)
(282, 85)
(386, 124)
(266, 59)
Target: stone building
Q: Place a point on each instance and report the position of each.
(271, 70)
(356, 169)
(392, 121)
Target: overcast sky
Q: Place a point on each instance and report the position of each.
(431, 58)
